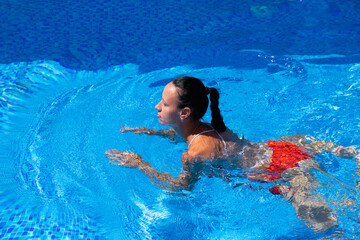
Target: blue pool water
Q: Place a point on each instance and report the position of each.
(73, 73)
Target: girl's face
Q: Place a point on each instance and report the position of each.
(168, 111)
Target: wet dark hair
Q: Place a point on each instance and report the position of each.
(193, 94)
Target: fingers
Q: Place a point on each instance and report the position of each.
(112, 152)
(113, 157)
(126, 129)
(129, 129)
(116, 157)
(116, 163)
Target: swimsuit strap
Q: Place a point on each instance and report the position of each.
(199, 135)
(222, 139)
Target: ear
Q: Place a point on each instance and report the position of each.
(185, 113)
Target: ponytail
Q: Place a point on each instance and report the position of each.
(193, 94)
(217, 120)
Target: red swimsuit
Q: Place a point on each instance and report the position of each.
(285, 155)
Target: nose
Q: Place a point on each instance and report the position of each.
(157, 106)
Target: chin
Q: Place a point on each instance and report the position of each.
(164, 123)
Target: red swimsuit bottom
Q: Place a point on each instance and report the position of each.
(285, 155)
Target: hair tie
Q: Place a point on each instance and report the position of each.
(207, 90)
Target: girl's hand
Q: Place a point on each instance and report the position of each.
(135, 130)
(127, 129)
(127, 159)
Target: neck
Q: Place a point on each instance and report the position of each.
(187, 128)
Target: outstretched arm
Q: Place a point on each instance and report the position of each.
(170, 133)
(134, 160)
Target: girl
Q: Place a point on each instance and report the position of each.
(184, 102)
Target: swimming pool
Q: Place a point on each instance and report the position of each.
(64, 97)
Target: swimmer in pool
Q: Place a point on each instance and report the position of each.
(184, 102)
